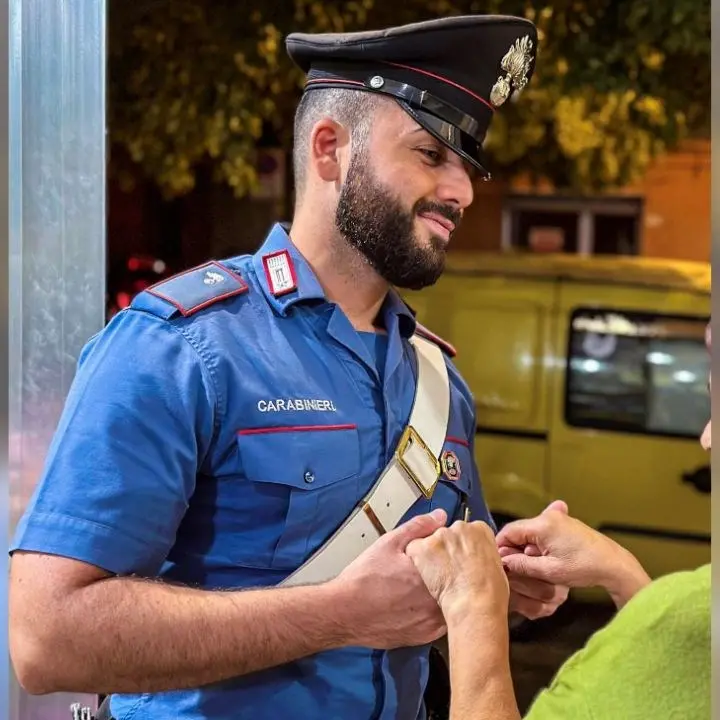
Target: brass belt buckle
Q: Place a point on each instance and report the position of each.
(409, 437)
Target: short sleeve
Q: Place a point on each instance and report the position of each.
(123, 463)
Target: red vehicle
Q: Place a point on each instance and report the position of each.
(130, 277)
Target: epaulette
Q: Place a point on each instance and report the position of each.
(422, 331)
(196, 289)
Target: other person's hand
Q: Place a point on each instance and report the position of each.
(462, 570)
(561, 550)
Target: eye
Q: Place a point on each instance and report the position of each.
(434, 156)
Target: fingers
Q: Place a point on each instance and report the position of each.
(559, 506)
(531, 609)
(474, 529)
(538, 590)
(533, 550)
(418, 527)
(531, 531)
(461, 539)
(414, 548)
(534, 598)
(520, 533)
(505, 550)
(539, 568)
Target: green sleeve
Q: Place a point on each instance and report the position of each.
(566, 697)
(652, 660)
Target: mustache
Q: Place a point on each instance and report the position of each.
(452, 214)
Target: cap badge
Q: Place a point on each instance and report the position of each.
(516, 65)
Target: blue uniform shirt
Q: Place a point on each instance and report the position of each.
(216, 434)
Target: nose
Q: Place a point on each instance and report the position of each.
(455, 186)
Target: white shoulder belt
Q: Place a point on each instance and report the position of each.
(412, 473)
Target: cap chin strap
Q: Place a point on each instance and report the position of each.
(454, 128)
(423, 100)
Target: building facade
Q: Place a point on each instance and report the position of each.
(666, 215)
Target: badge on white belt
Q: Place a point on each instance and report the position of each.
(451, 465)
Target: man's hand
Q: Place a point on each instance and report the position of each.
(558, 549)
(462, 570)
(388, 604)
(533, 597)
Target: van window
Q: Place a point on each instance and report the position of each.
(635, 372)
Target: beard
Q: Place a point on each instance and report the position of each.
(372, 220)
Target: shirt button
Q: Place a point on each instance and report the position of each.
(309, 477)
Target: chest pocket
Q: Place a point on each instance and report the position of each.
(306, 471)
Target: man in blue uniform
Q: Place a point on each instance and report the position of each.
(278, 420)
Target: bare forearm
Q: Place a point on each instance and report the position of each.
(480, 677)
(131, 635)
(626, 578)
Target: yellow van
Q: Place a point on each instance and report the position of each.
(590, 378)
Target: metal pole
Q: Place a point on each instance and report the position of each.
(5, 697)
(57, 237)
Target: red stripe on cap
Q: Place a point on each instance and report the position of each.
(445, 80)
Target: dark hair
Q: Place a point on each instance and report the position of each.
(351, 108)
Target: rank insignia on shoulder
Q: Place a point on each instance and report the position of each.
(280, 273)
(199, 287)
(423, 332)
(450, 465)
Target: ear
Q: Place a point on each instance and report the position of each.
(328, 141)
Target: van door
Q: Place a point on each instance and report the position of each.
(501, 328)
(630, 401)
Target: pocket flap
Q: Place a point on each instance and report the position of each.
(303, 457)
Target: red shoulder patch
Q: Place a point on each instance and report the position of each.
(422, 331)
(199, 287)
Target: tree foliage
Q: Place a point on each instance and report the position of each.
(197, 82)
